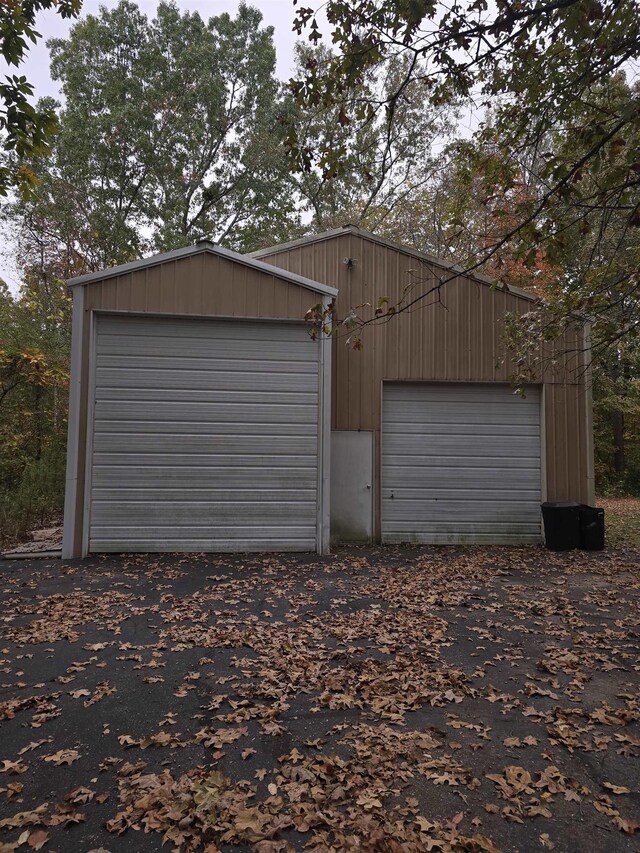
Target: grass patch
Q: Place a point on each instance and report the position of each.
(622, 521)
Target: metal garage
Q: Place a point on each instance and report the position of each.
(424, 409)
(460, 463)
(199, 408)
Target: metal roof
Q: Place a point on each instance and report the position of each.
(208, 247)
(408, 250)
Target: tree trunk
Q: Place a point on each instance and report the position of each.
(37, 421)
(617, 422)
(616, 372)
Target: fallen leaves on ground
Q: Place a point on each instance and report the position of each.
(393, 700)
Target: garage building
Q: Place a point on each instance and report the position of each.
(199, 408)
(204, 418)
(429, 442)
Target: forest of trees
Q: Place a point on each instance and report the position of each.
(175, 128)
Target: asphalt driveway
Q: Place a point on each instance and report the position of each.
(374, 700)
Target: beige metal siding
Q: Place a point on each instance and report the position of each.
(199, 285)
(456, 336)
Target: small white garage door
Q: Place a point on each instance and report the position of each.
(205, 436)
(460, 464)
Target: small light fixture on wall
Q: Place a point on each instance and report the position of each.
(349, 263)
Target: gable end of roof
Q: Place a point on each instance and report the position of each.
(391, 244)
(204, 247)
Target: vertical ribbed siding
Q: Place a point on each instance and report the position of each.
(457, 340)
(201, 285)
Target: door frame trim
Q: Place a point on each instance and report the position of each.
(91, 406)
(324, 412)
(73, 427)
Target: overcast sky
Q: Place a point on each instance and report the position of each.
(276, 13)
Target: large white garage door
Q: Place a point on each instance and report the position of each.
(205, 436)
(460, 464)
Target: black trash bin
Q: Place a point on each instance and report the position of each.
(561, 525)
(591, 528)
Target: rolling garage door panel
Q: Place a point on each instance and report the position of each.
(205, 436)
(460, 464)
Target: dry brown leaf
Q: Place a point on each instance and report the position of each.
(33, 745)
(21, 819)
(80, 795)
(616, 789)
(628, 826)
(38, 839)
(63, 756)
(424, 824)
(15, 767)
